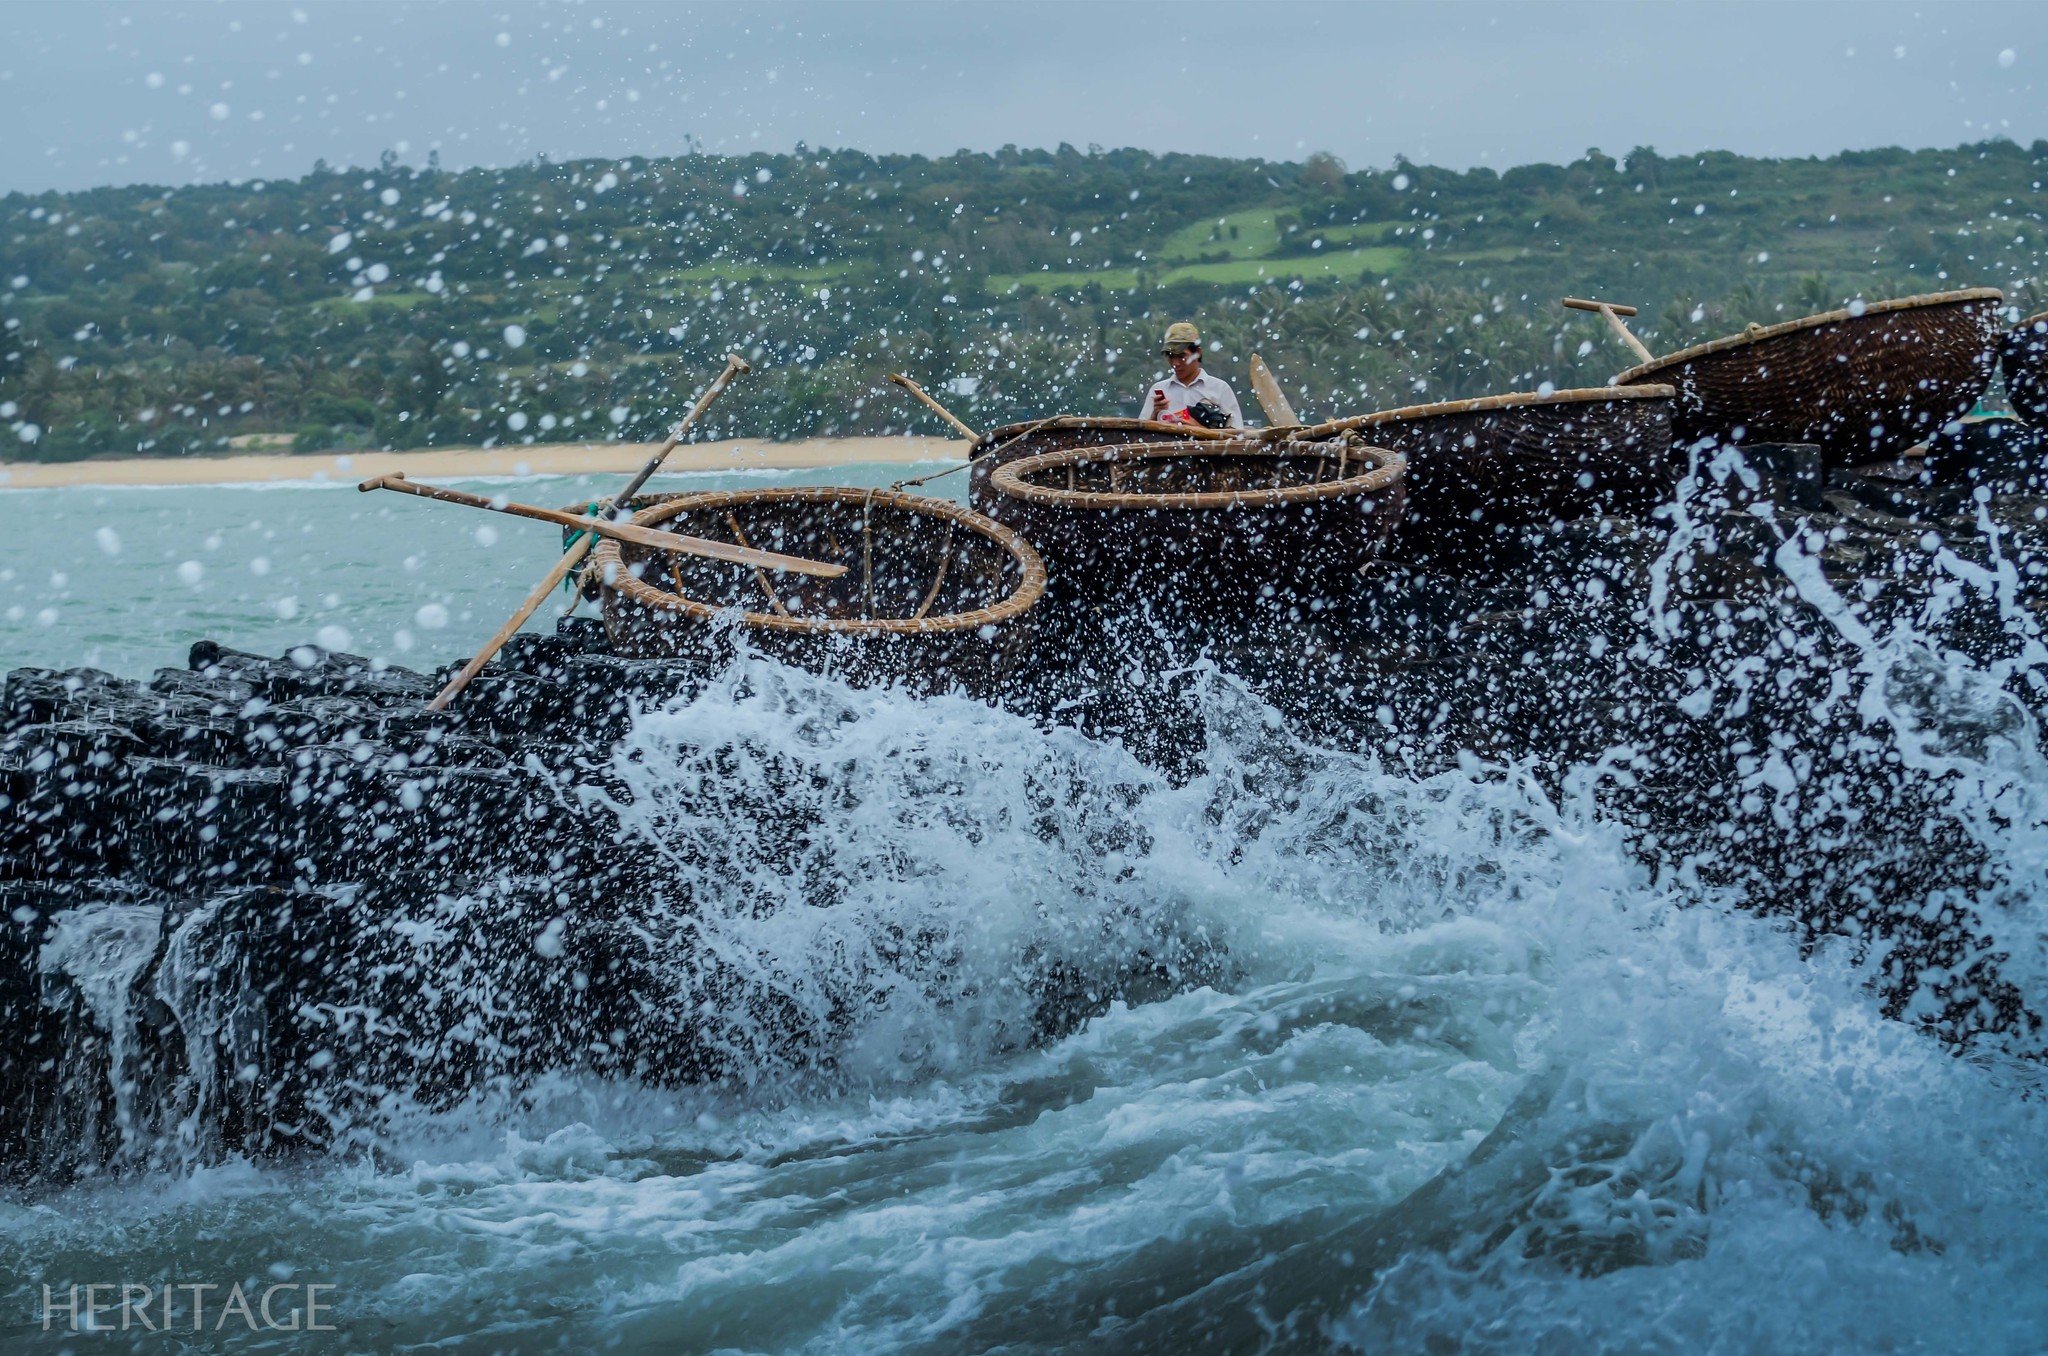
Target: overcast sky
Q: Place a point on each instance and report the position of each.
(98, 93)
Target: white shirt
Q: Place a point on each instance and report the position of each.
(1181, 394)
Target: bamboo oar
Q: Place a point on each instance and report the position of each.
(617, 531)
(1271, 398)
(936, 408)
(571, 558)
(1612, 312)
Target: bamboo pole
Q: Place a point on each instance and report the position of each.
(1612, 312)
(676, 542)
(936, 408)
(571, 558)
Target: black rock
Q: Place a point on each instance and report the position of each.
(308, 873)
(2005, 456)
(34, 696)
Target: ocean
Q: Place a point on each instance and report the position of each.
(125, 579)
(1466, 1071)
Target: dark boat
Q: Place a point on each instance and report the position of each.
(1482, 469)
(1207, 526)
(1864, 383)
(1014, 442)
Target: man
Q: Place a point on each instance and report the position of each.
(1190, 395)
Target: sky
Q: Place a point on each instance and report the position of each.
(179, 92)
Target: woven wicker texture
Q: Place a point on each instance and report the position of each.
(2024, 354)
(1209, 524)
(916, 567)
(1014, 442)
(1865, 384)
(1478, 468)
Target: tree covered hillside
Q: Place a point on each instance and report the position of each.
(407, 307)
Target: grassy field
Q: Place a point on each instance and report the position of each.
(1352, 255)
(1358, 234)
(744, 271)
(382, 301)
(1376, 260)
(1256, 237)
(1369, 261)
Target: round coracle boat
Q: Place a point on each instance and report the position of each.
(1864, 383)
(927, 581)
(1480, 469)
(1211, 524)
(1014, 442)
(2024, 354)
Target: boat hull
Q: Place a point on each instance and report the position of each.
(1014, 442)
(1863, 384)
(1480, 471)
(1204, 529)
(934, 594)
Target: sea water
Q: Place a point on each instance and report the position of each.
(1673, 1127)
(126, 578)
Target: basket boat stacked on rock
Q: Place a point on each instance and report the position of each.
(1864, 384)
(931, 588)
(1482, 469)
(1203, 525)
(1014, 442)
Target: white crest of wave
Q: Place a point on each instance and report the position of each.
(891, 886)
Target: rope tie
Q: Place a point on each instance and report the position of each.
(939, 579)
(975, 461)
(867, 556)
(760, 575)
(1195, 432)
(571, 582)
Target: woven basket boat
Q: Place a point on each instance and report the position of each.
(927, 581)
(1014, 442)
(1478, 469)
(1865, 383)
(1213, 524)
(2024, 354)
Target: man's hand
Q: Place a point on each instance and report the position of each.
(1158, 402)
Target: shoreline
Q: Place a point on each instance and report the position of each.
(463, 463)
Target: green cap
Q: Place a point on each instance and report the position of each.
(1180, 334)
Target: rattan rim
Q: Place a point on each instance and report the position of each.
(1030, 588)
(1108, 422)
(1723, 344)
(1584, 395)
(2031, 321)
(1387, 467)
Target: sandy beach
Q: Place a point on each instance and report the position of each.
(456, 463)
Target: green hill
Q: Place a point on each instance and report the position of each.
(401, 306)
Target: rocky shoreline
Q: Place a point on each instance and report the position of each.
(250, 905)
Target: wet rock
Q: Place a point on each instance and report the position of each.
(2005, 456)
(310, 671)
(1794, 474)
(33, 696)
(507, 705)
(31, 1037)
(66, 784)
(324, 881)
(200, 827)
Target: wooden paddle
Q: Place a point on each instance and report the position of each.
(1271, 399)
(1612, 313)
(571, 558)
(617, 531)
(936, 408)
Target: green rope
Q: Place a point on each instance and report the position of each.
(569, 584)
